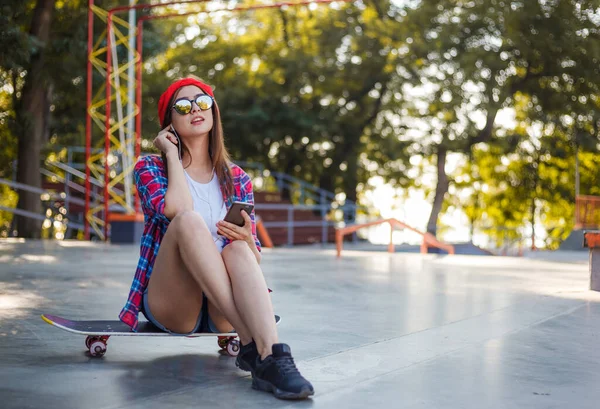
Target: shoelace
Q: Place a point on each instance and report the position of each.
(286, 365)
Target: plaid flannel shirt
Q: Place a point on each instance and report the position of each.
(151, 183)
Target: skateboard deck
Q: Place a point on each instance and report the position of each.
(98, 333)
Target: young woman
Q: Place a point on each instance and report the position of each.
(196, 271)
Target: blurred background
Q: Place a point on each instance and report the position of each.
(476, 121)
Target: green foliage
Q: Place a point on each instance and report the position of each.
(64, 74)
(337, 95)
(469, 60)
(300, 90)
(8, 198)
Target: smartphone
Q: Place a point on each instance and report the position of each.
(178, 141)
(234, 215)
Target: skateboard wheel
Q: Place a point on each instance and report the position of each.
(223, 341)
(97, 348)
(233, 347)
(89, 340)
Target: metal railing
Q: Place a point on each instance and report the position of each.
(306, 191)
(429, 240)
(45, 196)
(306, 196)
(290, 224)
(282, 181)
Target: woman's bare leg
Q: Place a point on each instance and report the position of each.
(188, 250)
(251, 295)
(174, 296)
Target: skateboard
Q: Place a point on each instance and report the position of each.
(98, 333)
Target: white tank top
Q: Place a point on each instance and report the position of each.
(208, 201)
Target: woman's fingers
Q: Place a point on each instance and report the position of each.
(228, 225)
(229, 232)
(231, 235)
(234, 232)
(247, 223)
(227, 229)
(168, 134)
(172, 138)
(246, 216)
(164, 140)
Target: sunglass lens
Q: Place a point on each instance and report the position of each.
(204, 102)
(183, 106)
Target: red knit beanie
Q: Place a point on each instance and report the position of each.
(168, 94)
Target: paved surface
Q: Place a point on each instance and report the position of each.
(466, 249)
(370, 330)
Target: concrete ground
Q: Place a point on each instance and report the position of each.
(369, 330)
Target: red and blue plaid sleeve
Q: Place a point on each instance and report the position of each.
(248, 197)
(151, 184)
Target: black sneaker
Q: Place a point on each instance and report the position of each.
(246, 359)
(278, 374)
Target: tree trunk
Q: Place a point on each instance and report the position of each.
(286, 193)
(440, 190)
(471, 229)
(32, 116)
(328, 178)
(350, 185)
(326, 181)
(533, 208)
(535, 182)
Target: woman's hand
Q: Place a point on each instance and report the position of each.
(166, 141)
(234, 232)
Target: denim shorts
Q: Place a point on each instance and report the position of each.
(204, 324)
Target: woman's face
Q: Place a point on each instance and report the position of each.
(195, 124)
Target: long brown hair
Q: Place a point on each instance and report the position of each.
(216, 146)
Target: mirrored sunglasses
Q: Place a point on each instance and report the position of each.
(183, 106)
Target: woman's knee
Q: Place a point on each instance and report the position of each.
(237, 248)
(188, 221)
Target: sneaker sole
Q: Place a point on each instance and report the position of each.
(266, 386)
(244, 366)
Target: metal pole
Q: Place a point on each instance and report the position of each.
(355, 234)
(577, 221)
(324, 229)
(122, 137)
(290, 229)
(131, 69)
(138, 99)
(131, 139)
(107, 121)
(68, 178)
(88, 119)
(577, 170)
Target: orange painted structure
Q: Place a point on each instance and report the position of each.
(429, 239)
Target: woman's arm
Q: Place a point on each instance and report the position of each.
(151, 184)
(255, 251)
(247, 232)
(178, 197)
(248, 191)
(243, 233)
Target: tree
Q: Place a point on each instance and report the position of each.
(43, 54)
(474, 57)
(302, 91)
(32, 112)
(527, 178)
